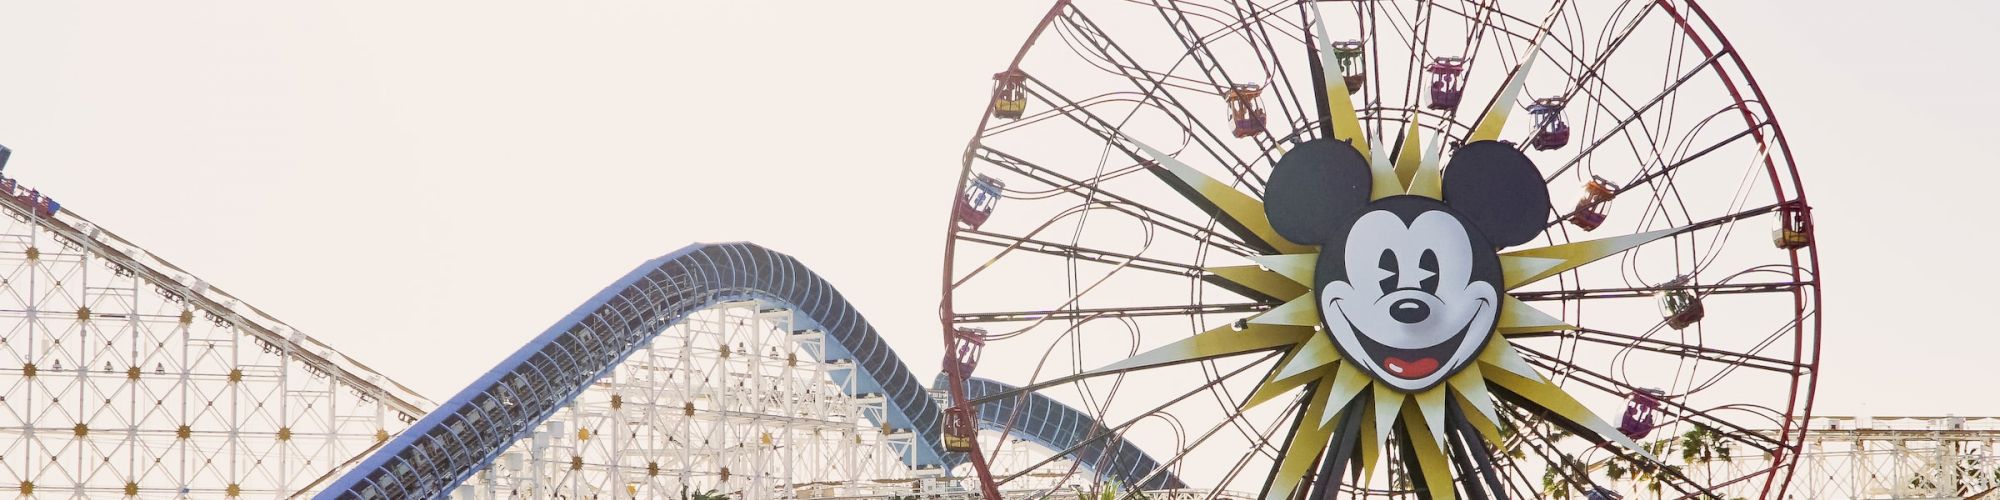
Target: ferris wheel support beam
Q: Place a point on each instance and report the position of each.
(1672, 348)
(1112, 312)
(1088, 191)
(1185, 118)
(1607, 385)
(1637, 292)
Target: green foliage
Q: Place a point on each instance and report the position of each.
(1702, 444)
(710, 494)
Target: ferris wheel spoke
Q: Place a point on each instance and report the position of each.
(1088, 191)
(1649, 175)
(1636, 115)
(1657, 345)
(1544, 444)
(1608, 385)
(1716, 222)
(1078, 252)
(1109, 131)
(1098, 435)
(1153, 87)
(1241, 213)
(1650, 291)
(1111, 312)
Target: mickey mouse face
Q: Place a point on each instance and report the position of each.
(1408, 286)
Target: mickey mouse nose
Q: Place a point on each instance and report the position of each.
(1409, 311)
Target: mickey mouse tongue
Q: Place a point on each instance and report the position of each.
(1411, 370)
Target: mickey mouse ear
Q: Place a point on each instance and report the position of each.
(1312, 186)
(1499, 190)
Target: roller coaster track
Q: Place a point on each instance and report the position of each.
(182, 286)
(468, 431)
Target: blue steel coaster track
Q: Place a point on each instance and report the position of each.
(472, 428)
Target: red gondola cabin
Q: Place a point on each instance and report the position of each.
(1641, 411)
(1551, 132)
(1446, 87)
(978, 201)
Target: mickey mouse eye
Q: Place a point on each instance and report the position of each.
(1388, 264)
(1429, 263)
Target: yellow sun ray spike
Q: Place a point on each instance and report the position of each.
(1302, 452)
(1347, 384)
(1339, 105)
(1431, 404)
(1469, 388)
(1274, 386)
(1552, 398)
(1298, 266)
(1384, 174)
(1429, 181)
(1312, 354)
(1388, 401)
(1240, 212)
(1215, 343)
(1301, 311)
(1518, 317)
(1496, 115)
(1522, 267)
(1430, 456)
(1501, 355)
(1411, 156)
(1259, 280)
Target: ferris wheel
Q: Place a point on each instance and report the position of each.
(1410, 249)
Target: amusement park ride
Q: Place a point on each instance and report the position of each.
(1274, 242)
(1198, 250)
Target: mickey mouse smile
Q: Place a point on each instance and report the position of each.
(1409, 364)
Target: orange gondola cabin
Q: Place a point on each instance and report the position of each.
(1245, 110)
(1591, 210)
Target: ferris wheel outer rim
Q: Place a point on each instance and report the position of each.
(1806, 291)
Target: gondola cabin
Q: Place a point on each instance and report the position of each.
(1641, 413)
(957, 433)
(1349, 55)
(1446, 86)
(1679, 305)
(1592, 209)
(977, 202)
(1794, 229)
(1551, 131)
(1009, 101)
(1246, 111)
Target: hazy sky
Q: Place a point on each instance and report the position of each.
(426, 185)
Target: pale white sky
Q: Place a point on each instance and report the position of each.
(427, 185)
